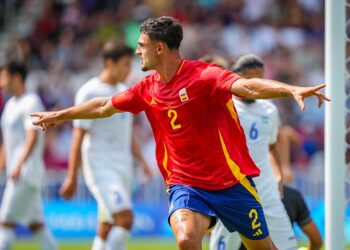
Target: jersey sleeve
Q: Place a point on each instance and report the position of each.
(219, 79)
(81, 97)
(303, 215)
(275, 119)
(129, 100)
(33, 104)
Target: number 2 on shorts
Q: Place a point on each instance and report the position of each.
(253, 214)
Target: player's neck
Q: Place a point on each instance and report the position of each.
(108, 78)
(17, 92)
(168, 67)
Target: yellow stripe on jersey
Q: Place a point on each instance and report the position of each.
(233, 113)
(165, 160)
(246, 184)
(236, 171)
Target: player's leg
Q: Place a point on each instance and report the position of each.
(7, 236)
(222, 239)
(100, 239)
(189, 228)
(10, 212)
(120, 232)
(40, 232)
(190, 217)
(279, 225)
(262, 244)
(115, 214)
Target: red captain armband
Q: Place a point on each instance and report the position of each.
(125, 101)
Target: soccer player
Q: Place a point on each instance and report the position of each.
(260, 121)
(298, 212)
(293, 200)
(105, 148)
(22, 155)
(208, 172)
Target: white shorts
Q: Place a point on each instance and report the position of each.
(21, 203)
(278, 223)
(112, 196)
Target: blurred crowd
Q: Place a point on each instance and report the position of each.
(62, 51)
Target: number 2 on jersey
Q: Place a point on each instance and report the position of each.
(173, 115)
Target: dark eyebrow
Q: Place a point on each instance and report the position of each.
(140, 43)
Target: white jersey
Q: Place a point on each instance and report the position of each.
(260, 122)
(15, 122)
(106, 149)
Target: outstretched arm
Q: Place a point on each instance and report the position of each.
(95, 108)
(258, 88)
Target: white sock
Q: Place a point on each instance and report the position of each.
(98, 244)
(7, 236)
(46, 239)
(117, 238)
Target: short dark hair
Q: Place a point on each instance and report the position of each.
(114, 50)
(14, 68)
(245, 62)
(166, 29)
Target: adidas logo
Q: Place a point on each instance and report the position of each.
(153, 101)
(257, 233)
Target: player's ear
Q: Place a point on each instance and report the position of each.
(108, 62)
(160, 48)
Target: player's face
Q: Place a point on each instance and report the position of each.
(121, 68)
(253, 73)
(147, 50)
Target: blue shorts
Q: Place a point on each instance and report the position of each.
(238, 207)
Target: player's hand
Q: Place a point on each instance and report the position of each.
(46, 119)
(300, 93)
(16, 173)
(68, 188)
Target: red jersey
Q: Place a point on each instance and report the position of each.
(199, 139)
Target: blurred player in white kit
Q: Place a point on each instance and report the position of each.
(105, 147)
(260, 121)
(22, 156)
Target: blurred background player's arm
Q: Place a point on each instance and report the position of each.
(306, 223)
(69, 185)
(315, 240)
(298, 212)
(276, 166)
(138, 155)
(287, 136)
(31, 138)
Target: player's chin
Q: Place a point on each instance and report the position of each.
(144, 68)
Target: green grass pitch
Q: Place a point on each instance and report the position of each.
(138, 244)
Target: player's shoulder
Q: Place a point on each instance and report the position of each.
(121, 87)
(31, 97)
(267, 105)
(90, 87)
